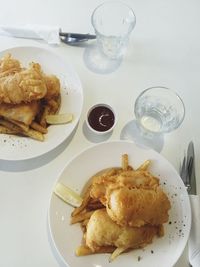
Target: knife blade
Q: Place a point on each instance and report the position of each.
(191, 169)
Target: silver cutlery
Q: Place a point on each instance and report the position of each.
(187, 173)
(51, 34)
(75, 38)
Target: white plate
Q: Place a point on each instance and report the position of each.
(163, 251)
(20, 148)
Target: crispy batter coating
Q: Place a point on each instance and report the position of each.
(9, 65)
(136, 207)
(23, 86)
(130, 179)
(102, 231)
(53, 86)
(21, 112)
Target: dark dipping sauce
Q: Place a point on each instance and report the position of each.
(101, 118)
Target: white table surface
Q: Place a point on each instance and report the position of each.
(164, 50)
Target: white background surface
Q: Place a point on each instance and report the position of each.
(164, 50)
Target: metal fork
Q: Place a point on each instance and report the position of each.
(185, 171)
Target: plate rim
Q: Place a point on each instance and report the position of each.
(93, 146)
(71, 67)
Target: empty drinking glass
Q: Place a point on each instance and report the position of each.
(159, 110)
(113, 22)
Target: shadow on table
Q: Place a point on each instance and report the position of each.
(132, 132)
(29, 164)
(92, 137)
(97, 62)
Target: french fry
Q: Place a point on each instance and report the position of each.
(125, 162)
(34, 134)
(86, 199)
(161, 230)
(10, 126)
(81, 217)
(36, 126)
(144, 166)
(116, 253)
(17, 130)
(45, 112)
(5, 130)
(23, 126)
(84, 250)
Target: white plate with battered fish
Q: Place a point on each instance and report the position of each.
(135, 209)
(36, 83)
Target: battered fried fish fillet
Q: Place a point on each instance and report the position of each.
(51, 81)
(24, 86)
(9, 65)
(53, 86)
(130, 179)
(24, 113)
(136, 207)
(102, 231)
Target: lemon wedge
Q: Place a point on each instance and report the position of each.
(59, 118)
(68, 195)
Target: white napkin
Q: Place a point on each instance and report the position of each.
(194, 239)
(32, 31)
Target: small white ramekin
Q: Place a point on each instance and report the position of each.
(101, 132)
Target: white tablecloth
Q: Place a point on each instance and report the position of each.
(164, 50)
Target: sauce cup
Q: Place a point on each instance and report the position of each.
(101, 119)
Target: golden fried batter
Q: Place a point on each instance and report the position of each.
(24, 86)
(102, 231)
(53, 86)
(9, 65)
(136, 207)
(130, 179)
(21, 112)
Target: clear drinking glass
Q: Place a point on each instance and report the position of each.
(113, 22)
(159, 110)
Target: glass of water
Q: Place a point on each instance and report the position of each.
(159, 110)
(113, 22)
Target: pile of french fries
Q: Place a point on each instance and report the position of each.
(83, 213)
(38, 127)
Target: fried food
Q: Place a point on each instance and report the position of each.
(27, 97)
(130, 179)
(53, 86)
(84, 250)
(103, 231)
(9, 65)
(123, 208)
(21, 112)
(137, 207)
(24, 86)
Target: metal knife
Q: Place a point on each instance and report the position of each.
(191, 169)
(194, 239)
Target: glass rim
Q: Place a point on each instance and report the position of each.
(165, 88)
(113, 2)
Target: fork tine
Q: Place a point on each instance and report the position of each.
(183, 170)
